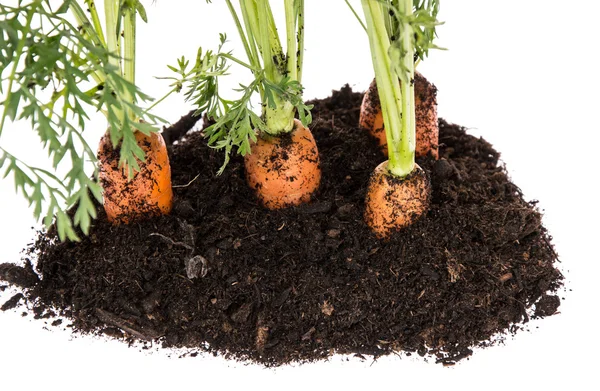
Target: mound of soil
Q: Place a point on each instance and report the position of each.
(223, 275)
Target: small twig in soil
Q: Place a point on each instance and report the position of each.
(174, 243)
(189, 237)
(186, 185)
(308, 335)
(111, 319)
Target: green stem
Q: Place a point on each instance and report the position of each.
(265, 41)
(254, 69)
(249, 13)
(129, 30)
(90, 30)
(268, 62)
(395, 105)
(250, 49)
(156, 103)
(93, 91)
(279, 115)
(290, 24)
(356, 15)
(391, 20)
(408, 141)
(111, 11)
(279, 119)
(274, 41)
(88, 33)
(300, 52)
(96, 21)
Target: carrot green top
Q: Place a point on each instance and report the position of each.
(399, 32)
(277, 77)
(54, 72)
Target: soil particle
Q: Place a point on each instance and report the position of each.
(23, 277)
(13, 302)
(546, 306)
(299, 284)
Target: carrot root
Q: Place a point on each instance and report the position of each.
(284, 171)
(394, 203)
(148, 193)
(427, 129)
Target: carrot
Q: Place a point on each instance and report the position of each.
(427, 130)
(148, 193)
(284, 171)
(399, 191)
(393, 203)
(66, 64)
(281, 158)
(130, 194)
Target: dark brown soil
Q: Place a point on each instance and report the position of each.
(223, 275)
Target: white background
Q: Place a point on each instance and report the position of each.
(521, 73)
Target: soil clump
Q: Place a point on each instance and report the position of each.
(224, 275)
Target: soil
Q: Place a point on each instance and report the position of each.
(223, 275)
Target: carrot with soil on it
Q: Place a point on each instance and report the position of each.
(399, 190)
(281, 158)
(148, 192)
(61, 63)
(144, 188)
(427, 130)
(283, 164)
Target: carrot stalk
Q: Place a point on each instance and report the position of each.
(282, 173)
(394, 100)
(129, 33)
(399, 190)
(141, 189)
(423, 22)
(281, 167)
